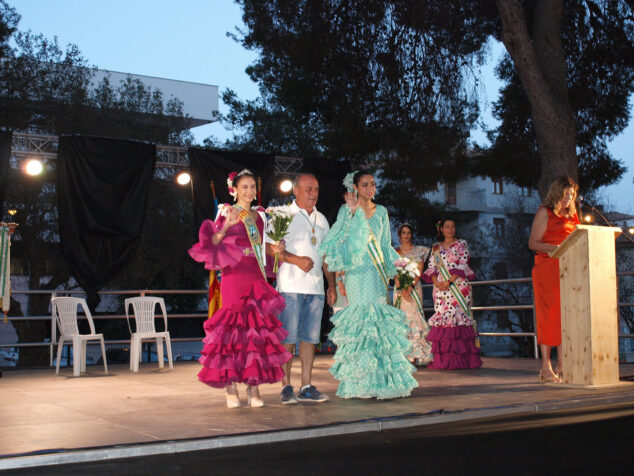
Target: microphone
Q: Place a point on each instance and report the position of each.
(581, 200)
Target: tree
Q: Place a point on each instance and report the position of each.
(567, 91)
(394, 82)
(47, 89)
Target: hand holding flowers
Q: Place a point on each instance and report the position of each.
(279, 219)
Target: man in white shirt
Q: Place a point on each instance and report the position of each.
(300, 281)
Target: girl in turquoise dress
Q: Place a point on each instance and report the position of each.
(371, 335)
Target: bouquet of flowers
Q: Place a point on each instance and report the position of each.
(407, 271)
(277, 227)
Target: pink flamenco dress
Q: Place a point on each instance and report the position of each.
(242, 342)
(451, 334)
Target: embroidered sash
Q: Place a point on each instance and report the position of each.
(254, 238)
(455, 291)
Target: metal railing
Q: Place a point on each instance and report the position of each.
(53, 341)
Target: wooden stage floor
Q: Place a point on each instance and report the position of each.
(50, 419)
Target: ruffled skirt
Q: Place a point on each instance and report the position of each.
(372, 345)
(453, 348)
(242, 342)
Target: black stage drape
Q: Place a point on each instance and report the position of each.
(215, 165)
(330, 174)
(5, 158)
(102, 193)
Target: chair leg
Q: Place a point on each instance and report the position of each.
(134, 358)
(159, 352)
(76, 356)
(60, 346)
(168, 344)
(103, 355)
(84, 354)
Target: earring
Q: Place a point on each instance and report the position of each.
(356, 194)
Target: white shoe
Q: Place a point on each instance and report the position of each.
(233, 399)
(254, 400)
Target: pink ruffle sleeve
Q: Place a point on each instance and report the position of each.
(224, 255)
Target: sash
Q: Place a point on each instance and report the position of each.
(254, 238)
(376, 255)
(417, 301)
(455, 291)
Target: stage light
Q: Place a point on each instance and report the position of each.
(183, 178)
(286, 185)
(631, 230)
(587, 218)
(33, 167)
(12, 212)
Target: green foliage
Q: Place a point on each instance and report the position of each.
(44, 88)
(598, 41)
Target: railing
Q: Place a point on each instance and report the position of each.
(51, 344)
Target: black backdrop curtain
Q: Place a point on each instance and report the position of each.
(102, 193)
(5, 158)
(215, 165)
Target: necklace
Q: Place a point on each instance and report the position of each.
(313, 240)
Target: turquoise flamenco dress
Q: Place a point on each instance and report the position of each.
(371, 335)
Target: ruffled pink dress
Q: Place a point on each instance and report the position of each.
(242, 342)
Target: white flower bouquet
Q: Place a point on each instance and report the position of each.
(407, 271)
(279, 219)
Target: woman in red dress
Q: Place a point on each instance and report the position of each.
(553, 222)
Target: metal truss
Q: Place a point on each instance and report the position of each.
(44, 146)
(287, 166)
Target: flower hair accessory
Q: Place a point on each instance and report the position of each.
(232, 191)
(438, 225)
(348, 181)
(232, 176)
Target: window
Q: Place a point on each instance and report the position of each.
(498, 224)
(526, 191)
(450, 192)
(498, 187)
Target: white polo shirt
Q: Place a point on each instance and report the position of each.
(290, 278)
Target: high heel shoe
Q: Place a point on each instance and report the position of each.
(233, 399)
(254, 400)
(559, 373)
(548, 376)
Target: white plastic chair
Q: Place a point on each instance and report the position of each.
(143, 308)
(65, 312)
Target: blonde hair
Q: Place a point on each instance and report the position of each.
(556, 192)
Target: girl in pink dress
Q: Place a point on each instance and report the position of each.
(242, 342)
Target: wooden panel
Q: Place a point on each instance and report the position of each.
(589, 307)
(575, 311)
(603, 300)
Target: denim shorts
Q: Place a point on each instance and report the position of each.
(302, 317)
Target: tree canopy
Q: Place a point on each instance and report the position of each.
(394, 83)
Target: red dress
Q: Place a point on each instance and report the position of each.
(546, 280)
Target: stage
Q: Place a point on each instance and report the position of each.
(48, 419)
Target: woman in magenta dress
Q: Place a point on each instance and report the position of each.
(242, 343)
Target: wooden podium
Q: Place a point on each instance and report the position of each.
(589, 312)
